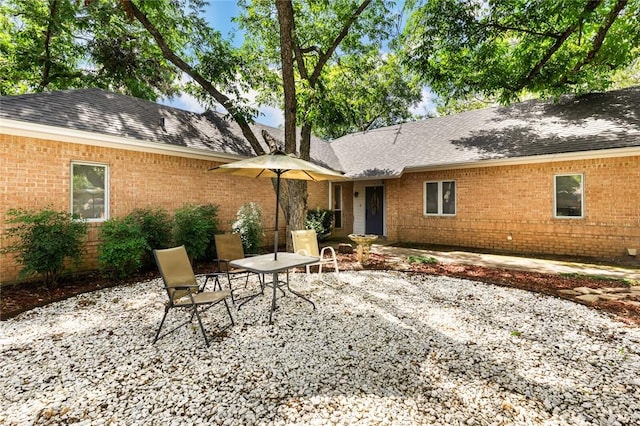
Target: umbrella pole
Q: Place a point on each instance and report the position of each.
(275, 236)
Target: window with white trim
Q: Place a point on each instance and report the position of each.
(90, 191)
(337, 206)
(569, 196)
(440, 198)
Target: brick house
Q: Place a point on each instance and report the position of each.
(535, 177)
(102, 155)
(546, 178)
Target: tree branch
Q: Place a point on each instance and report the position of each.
(535, 71)
(322, 60)
(597, 41)
(46, 77)
(168, 54)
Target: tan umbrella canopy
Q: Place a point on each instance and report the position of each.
(278, 165)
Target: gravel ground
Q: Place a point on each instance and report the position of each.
(382, 348)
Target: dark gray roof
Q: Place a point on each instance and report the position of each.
(102, 112)
(596, 121)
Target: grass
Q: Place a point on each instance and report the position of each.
(428, 260)
(624, 281)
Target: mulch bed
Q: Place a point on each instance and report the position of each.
(15, 299)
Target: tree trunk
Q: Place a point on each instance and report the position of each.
(297, 208)
(294, 202)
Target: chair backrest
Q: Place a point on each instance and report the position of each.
(306, 240)
(175, 270)
(228, 247)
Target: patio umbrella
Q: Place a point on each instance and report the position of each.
(278, 165)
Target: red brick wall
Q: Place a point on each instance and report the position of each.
(494, 203)
(35, 173)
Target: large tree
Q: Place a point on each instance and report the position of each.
(327, 70)
(506, 49)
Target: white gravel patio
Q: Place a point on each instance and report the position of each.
(382, 348)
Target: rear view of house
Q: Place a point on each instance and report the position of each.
(536, 177)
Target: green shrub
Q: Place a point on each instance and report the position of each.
(45, 239)
(321, 220)
(156, 225)
(195, 227)
(423, 260)
(122, 247)
(249, 226)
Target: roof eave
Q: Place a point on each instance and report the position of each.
(40, 131)
(495, 162)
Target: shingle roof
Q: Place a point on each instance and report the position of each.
(596, 121)
(592, 122)
(102, 112)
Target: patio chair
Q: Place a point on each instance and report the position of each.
(183, 289)
(229, 247)
(305, 242)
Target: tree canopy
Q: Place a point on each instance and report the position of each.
(64, 44)
(509, 48)
(344, 77)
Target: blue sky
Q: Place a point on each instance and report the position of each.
(220, 14)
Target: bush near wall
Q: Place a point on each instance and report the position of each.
(249, 225)
(195, 227)
(44, 240)
(320, 220)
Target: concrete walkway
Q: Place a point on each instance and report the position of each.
(400, 255)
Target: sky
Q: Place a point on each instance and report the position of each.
(220, 14)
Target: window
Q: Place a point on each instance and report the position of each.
(90, 191)
(440, 198)
(569, 196)
(337, 206)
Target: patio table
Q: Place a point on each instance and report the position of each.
(267, 264)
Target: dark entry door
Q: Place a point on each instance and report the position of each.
(374, 211)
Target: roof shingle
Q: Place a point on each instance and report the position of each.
(592, 122)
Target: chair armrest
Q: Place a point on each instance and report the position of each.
(333, 252)
(219, 262)
(185, 287)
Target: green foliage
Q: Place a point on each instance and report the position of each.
(363, 92)
(44, 240)
(63, 44)
(249, 226)
(156, 225)
(422, 260)
(342, 84)
(577, 275)
(321, 220)
(195, 227)
(512, 48)
(122, 247)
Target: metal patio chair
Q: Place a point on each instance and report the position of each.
(305, 242)
(229, 247)
(183, 290)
